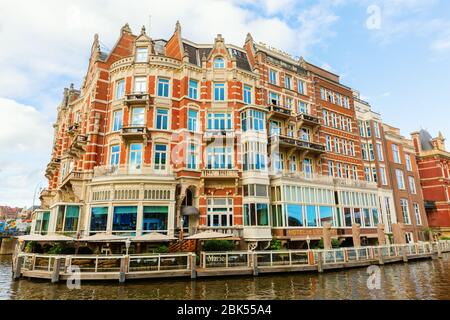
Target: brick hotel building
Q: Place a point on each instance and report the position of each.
(170, 135)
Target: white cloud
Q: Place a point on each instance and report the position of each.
(25, 144)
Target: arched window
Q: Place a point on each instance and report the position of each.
(219, 63)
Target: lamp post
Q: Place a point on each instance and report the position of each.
(127, 245)
(181, 227)
(308, 241)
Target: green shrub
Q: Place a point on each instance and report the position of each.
(275, 245)
(218, 245)
(334, 244)
(444, 238)
(162, 249)
(33, 247)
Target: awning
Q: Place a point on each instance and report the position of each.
(50, 238)
(189, 211)
(153, 237)
(103, 237)
(209, 235)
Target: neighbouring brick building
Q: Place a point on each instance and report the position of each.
(171, 135)
(433, 161)
(404, 175)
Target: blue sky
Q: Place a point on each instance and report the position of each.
(401, 67)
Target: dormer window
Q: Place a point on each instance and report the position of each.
(219, 63)
(141, 54)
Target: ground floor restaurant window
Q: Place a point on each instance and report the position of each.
(295, 215)
(155, 218)
(326, 215)
(67, 218)
(366, 217)
(277, 215)
(220, 212)
(124, 218)
(42, 220)
(99, 218)
(256, 214)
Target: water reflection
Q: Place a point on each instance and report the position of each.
(426, 279)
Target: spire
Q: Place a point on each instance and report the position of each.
(219, 38)
(126, 29)
(248, 38)
(143, 30)
(178, 27)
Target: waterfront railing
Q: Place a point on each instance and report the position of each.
(185, 263)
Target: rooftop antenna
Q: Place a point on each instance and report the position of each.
(149, 24)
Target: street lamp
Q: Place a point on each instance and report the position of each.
(127, 245)
(181, 227)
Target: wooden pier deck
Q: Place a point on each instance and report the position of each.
(217, 264)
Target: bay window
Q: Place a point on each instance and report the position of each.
(67, 218)
(256, 214)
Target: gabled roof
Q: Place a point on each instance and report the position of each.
(196, 52)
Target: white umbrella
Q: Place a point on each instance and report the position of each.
(153, 237)
(208, 235)
(103, 237)
(51, 238)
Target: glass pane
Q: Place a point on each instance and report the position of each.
(295, 215)
(124, 218)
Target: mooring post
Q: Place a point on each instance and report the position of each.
(18, 267)
(380, 256)
(404, 255)
(123, 269)
(193, 261)
(439, 250)
(319, 261)
(56, 269)
(255, 264)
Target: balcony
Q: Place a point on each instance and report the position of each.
(298, 144)
(211, 135)
(73, 129)
(139, 98)
(130, 170)
(360, 184)
(308, 120)
(257, 233)
(279, 112)
(220, 173)
(235, 232)
(52, 166)
(72, 176)
(136, 132)
(78, 145)
(304, 177)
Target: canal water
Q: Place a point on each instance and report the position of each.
(425, 279)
